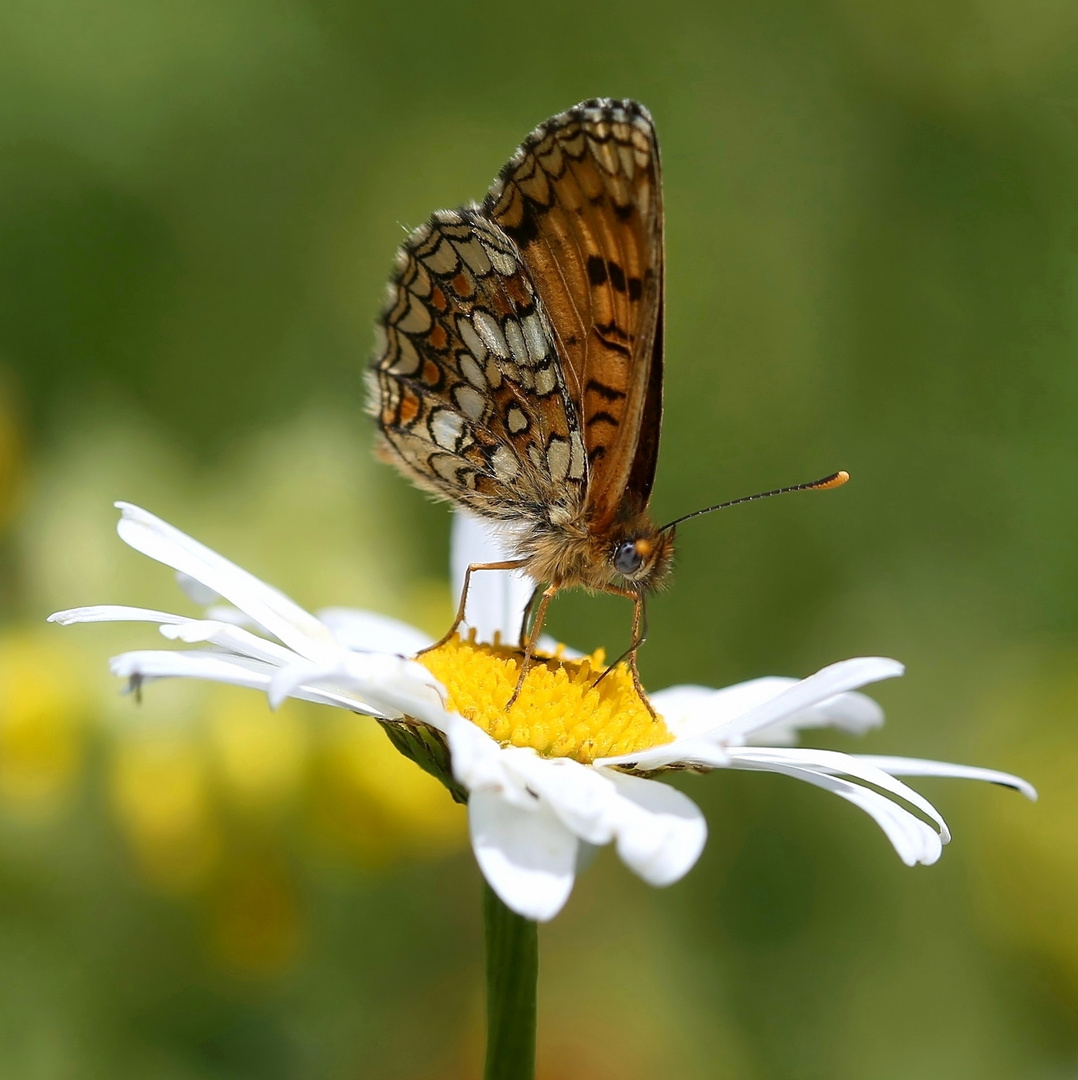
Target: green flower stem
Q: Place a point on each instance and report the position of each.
(512, 977)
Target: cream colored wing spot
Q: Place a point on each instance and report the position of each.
(502, 261)
(491, 333)
(417, 320)
(517, 345)
(536, 337)
(447, 429)
(470, 402)
(506, 466)
(577, 457)
(558, 459)
(407, 361)
(443, 259)
(545, 381)
(447, 467)
(475, 255)
(493, 374)
(476, 345)
(472, 371)
(419, 284)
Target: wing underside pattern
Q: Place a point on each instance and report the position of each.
(470, 396)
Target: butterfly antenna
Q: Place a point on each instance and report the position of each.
(825, 484)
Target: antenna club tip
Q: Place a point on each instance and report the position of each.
(833, 481)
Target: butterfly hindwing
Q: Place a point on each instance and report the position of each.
(582, 200)
(468, 391)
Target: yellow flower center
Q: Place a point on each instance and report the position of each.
(560, 712)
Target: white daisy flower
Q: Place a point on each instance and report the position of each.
(572, 765)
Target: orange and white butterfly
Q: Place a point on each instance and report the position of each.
(520, 371)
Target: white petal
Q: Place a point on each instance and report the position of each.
(195, 591)
(231, 615)
(851, 712)
(835, 763)
(661, 832)
(481, 764)
(182, 628)
(527, 855)
(148, 664)
(704, 722)
(113, 613)
(679, 701)
(826, 683)
(694, 710)
(689, 711)
(367, 631)
(584, 799)
(477, 758)
(395, 683)
(496, 598)
(700, 751)
(913, 839)
(903, 766)
(392, 685)
(271, 609)
(227, 636)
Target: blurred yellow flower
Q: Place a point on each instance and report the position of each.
(160, 788)
(42, 707)
(261, 755)
(1031, 860)
(375, 803)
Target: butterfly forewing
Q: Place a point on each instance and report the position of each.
(470, 396)
(582, 200)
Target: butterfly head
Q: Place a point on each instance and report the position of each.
(642, 557)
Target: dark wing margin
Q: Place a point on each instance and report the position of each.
(642, 474)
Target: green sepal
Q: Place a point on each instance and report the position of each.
(427, 748)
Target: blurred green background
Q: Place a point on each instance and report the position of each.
(872, 243)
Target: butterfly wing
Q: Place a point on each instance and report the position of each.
(582, 201)
(467, 389)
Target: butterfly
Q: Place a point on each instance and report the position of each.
(519, 373)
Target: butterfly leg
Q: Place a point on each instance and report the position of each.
(533, 638)
(511, 564)
(640, 635)
(528, 609)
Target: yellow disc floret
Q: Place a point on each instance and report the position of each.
(561, 711)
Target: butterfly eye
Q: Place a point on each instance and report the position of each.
(627, 559)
